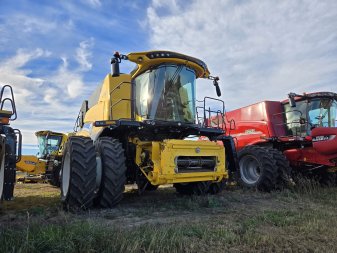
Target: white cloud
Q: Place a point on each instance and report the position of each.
(49, 101)
(260, 49)
(83, 54)
(94, 3)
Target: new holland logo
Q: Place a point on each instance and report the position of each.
(320, 138)
(30, 162)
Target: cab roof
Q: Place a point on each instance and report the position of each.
(304, 96)
(47, 132)
(145, 60)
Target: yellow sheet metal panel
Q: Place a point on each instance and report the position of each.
(164, 156)
(114, 100)
(31, 164)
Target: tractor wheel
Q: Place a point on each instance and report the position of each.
(328, 179)
(112, 186)
(257, 169)
(55, 180)
(284, 170)
(151, 187)
(195, 188)
(218, 187)
(78, 176)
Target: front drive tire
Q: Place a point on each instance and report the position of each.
(111, 153)
(257, 169)
(217, 187)
(284, 179)
(78, 176)
(195, 188)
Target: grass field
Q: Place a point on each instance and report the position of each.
(299, 220)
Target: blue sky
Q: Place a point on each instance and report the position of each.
(54, 53)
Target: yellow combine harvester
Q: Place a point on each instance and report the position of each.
(47, 164)
(133, 129)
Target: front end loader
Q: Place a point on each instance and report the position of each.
(137, 128)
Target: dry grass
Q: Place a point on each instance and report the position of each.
(302, 219)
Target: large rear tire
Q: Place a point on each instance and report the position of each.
(195, 188)
(111, 153)
(257, 169)
(283, 167)
(78, 176)
(328, 179)
(55, 177)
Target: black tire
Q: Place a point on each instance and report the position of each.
(149, 187)
(55, 177)
(78, 178)
(195, 188)
(328, 179)
(218, 187)
(283, 167)
(113, 179)
(257, 169)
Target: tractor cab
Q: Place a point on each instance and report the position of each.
(165, 86)
(166, 92)
(49, 143)
(309, 111)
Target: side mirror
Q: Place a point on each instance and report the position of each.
(216, 84)
(292, 101)
(115, 64)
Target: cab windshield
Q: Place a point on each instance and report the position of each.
(316, 112)
(166, 92)
(322, 112)
(48, 144)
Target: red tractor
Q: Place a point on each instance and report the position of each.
(277, 139)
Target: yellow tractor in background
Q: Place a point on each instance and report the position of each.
(10, 143)
(139, 128)
(46, 165)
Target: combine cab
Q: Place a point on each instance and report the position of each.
(133, 129)
(299, 133)
(47, 164)
(10, 143)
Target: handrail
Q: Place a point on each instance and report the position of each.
(77, 122)
(19, 147)
(208, 113)
(11, 99)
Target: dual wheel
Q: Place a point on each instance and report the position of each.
(92, 175)
(264, 169)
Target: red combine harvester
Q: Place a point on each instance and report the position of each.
(274, 138)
